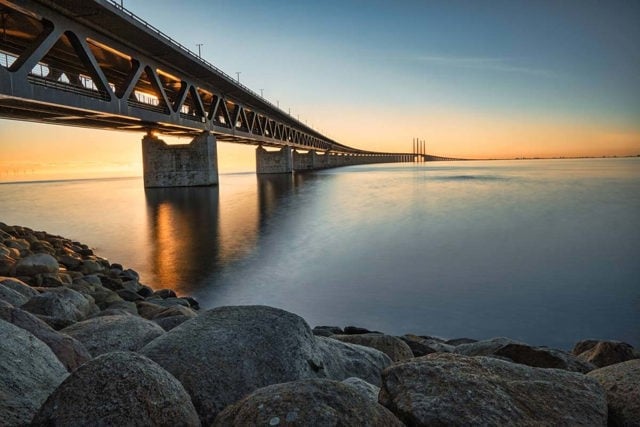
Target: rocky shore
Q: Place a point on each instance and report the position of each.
(84, 342)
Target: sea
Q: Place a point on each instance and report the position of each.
(542, 251)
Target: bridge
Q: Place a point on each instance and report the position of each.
(92, 63)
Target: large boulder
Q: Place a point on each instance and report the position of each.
(604, 353)
(29, 372)
(61, 307)
(118, 389)
(226, 353)
(393, 347)
(451, 389)
(36, 264)
(12, 297)
(306, 402)
(342, 360)
(69, 351)
(366, 389)
(105, 334)
(18, 286)
(622, 385)
(539, 357)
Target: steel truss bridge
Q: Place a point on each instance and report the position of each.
(92, 63)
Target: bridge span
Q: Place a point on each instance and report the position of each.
(92, 63)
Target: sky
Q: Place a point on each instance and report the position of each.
(474, 79)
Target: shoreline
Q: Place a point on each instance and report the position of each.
(89, 318)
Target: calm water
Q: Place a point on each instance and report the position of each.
(543, 251)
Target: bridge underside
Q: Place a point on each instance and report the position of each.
(92, 63)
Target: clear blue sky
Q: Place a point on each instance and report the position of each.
(473, 78)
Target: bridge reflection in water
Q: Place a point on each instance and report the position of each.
(195, 232)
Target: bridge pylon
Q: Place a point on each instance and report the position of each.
(183, 165)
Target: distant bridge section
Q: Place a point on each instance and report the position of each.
(92, 63)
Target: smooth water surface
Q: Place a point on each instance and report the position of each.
(544, 251)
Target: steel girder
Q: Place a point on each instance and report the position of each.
(91, 63)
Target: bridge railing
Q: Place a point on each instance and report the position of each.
(188, 51)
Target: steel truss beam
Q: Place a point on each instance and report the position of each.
(92, 76)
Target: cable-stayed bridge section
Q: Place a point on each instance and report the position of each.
(92, 63)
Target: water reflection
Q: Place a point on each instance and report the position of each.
(196, 232)
(183, 236)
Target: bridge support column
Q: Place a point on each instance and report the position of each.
(302, 161)
(274, 161)
(185, 165)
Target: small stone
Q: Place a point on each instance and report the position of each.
(36, 264)
(165, 293)
(393, 347)
(327, 331)
(605, 353)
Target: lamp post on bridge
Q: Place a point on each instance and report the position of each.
(238, 74)
(261, 93)
(199, 52)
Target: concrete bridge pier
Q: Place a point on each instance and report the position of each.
(305, 161)
(274, 161)
(185, 165)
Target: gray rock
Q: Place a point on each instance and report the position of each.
(451, 389)
(176, 310)
(71, 261)
(421, 346)
(110, 333)
(18, 286)
(355, 330)
(307, 402)
(12, 297)
(226, 353)
(68, 350)
(128, 295)
(165, 293)
(61, 307)
(457, 341)
(7, 265)
(36, 264)
(52, 280)
(118, 389)
(128, 306)
(605, 353)
(364, 388)
(393, 347)
(105, 297)
(327, 331)
(149, 310)
(113, 283)
(94, 279)
(342, 360)
(168, 323)
(622, 385)
(88, 266)
(171, 302)
(113, 312)
(132, 285)
(29, 372)
(540, 357)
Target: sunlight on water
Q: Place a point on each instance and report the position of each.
(542, 251)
